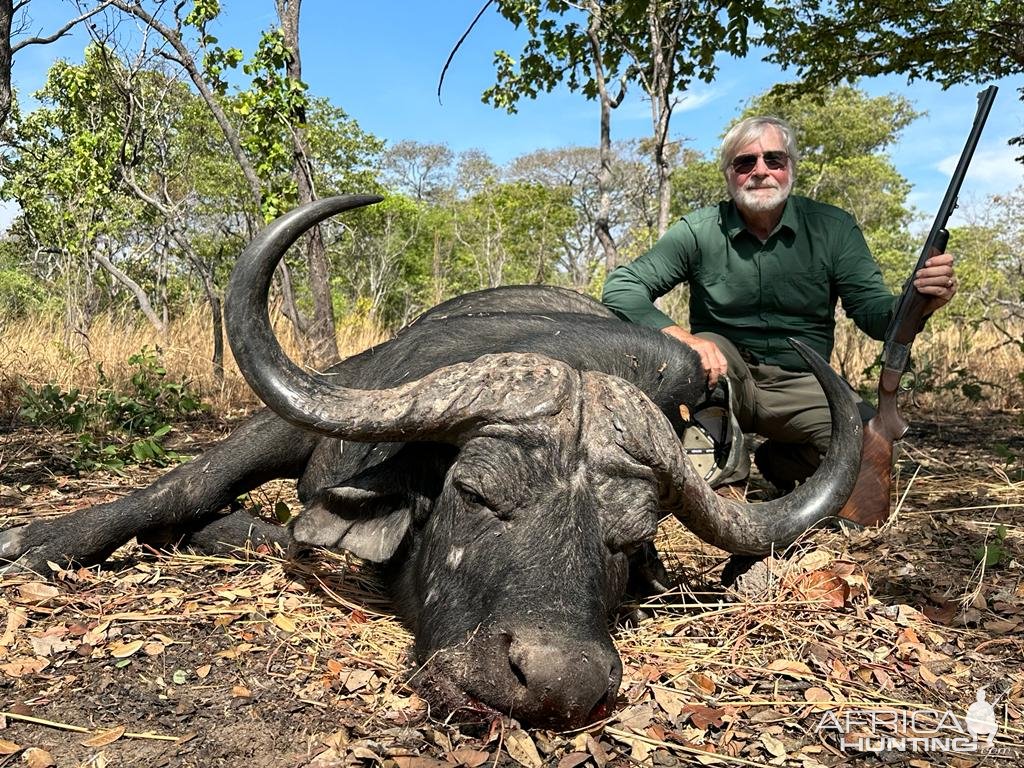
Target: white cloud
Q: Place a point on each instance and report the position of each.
(992, 166)
(639, 108)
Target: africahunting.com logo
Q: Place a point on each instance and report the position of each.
(919, 730)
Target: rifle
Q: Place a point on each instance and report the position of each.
(869, 502)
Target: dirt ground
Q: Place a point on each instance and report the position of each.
(251, 661)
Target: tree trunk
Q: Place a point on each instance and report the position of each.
(6, 59)
(663, 32)
(322, 336)
(217, 316)
(602, 224)
(136, 290)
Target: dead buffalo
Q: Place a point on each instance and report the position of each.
(501, 459)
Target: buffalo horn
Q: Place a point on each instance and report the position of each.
(759, 528)
(440, 406)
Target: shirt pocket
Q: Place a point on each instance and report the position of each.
(728, 295)
(807, 293)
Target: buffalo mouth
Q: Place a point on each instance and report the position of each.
(541, 679)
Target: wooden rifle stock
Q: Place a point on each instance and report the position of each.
(870, 502)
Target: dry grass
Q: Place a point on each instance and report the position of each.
(946, 357)
(38, 350)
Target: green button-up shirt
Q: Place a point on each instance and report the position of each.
(757, 294)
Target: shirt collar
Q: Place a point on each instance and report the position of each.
(735, 227)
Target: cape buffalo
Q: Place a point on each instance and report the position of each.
(501, 458)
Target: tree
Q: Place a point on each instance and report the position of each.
(9, 46)
(600, 47)
(63, 175)
(269, 135)
(951, 42)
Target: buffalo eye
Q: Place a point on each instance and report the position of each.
(470, 494)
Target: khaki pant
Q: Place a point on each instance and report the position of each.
(787, 407)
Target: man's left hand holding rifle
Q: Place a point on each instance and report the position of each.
(762, 266)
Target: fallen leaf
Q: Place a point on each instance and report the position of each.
(704, 682)
(16, 619)
(670, 701)
(103, 738)
(775, 747)
(789, 667)
(704, 717)
(124, 650)
(521, 748)
(203, 671)
(8, 747)
(38, 758)
(48, 645)
(37, 592)
(234, 653)
(284, 623)
(1002, 626)
(823, 587)
(357, 679)
(599, 753)
(573, 759)
(883, 679)
(24, 665)
(469, 757)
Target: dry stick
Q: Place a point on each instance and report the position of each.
(80, 729)
(910, 484)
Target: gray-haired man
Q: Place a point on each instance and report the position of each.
(762, 266)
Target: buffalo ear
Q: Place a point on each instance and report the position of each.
(370, 513)
(364, 521)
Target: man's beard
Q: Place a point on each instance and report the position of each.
(753, 198)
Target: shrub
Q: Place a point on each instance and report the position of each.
(114, 427)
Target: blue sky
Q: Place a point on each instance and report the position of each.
(381, 63)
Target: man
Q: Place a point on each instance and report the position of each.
(762, 266)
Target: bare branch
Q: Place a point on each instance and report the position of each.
(60, 32)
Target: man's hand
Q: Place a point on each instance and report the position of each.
(937, 280)
(711, 356)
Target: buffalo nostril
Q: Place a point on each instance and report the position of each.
(517, 671)
(564, 680)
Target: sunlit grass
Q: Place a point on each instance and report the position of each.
(38, 350)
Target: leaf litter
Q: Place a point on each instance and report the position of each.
(186, 660)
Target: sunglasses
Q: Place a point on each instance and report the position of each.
(774, 161)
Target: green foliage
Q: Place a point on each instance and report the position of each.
(927, 376)
(559, 49)
(696, 183)
(953, 42)
(20, 295)
(115, 427)
(993, 552)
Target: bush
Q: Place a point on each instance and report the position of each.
(117, 428)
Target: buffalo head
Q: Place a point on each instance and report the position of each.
(506, 498)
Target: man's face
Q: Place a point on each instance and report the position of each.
(762, 188)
